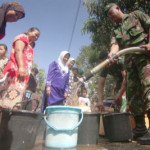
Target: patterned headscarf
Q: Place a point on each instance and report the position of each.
(63, 66)
(4, 9)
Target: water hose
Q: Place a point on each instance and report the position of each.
(109, 60)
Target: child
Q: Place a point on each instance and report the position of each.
(3, 58)
(83, 100)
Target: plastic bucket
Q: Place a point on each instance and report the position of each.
(18, 129)
(41, 130)
(117, 126)
(62, 126)
(89, 129)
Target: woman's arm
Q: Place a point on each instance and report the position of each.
(19, 47)
(50, 74)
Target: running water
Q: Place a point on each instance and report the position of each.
(73, 93)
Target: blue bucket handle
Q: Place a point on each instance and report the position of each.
(63, 129)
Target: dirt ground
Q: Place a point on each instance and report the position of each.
(103, 144)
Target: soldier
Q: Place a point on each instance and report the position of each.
(134, 30)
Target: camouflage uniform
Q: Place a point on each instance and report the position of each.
(133, 31)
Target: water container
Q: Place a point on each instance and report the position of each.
(117, 126)
(62, 126)
(18, 129)
(41, 131)
(89, 129)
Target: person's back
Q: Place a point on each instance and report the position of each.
(113, 70)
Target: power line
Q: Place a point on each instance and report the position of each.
(74, 25)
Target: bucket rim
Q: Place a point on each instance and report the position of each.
(116, 114)
(91, 113)
(63, 108)
(20, 111)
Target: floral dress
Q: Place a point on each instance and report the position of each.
(12, 90)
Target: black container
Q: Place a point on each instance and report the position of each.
(42, 130)
(88, 131)
(18, 129)
(117, 126)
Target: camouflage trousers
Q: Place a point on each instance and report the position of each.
(138, 83)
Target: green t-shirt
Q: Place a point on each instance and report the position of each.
(114, 70)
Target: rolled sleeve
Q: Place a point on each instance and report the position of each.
(113, 40)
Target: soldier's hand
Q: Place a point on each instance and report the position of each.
(110, 55)
(147, 47)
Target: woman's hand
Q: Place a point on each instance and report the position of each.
(48, 91)
(21, 73)
(66, 95)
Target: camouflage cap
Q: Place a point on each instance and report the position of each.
(108, 6)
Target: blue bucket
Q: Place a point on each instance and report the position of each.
(62, 126)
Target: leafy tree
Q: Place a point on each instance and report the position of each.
(100, 29)
(98, 24)
(40, 80)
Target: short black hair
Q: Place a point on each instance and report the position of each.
(5, 46)
(84, 89)
(35, 70)
(74, 68)
(103, 54)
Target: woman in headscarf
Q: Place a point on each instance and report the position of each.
(19, 69)
(70, 65)
(10, 12)
(57, 82)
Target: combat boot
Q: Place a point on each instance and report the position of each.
(140, 128)
(145, 139)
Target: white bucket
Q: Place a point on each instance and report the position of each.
(62, 126)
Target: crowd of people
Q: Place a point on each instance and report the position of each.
(20, 84)
(132, 72)
(61, 84)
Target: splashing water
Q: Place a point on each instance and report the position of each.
(73, 93)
